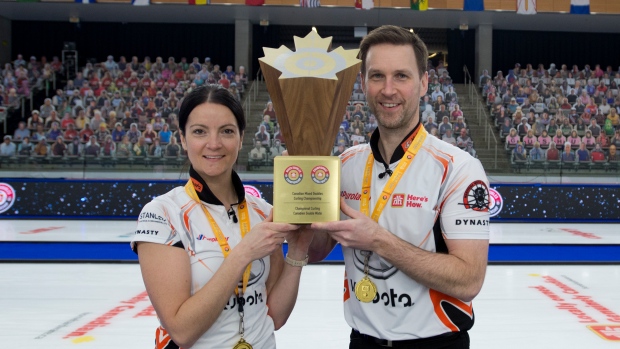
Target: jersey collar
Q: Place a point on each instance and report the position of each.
(206, 195)
(399, 152)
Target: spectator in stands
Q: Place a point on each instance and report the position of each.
(34, 120)
(276, 150)
(523, 128)
(553, 153)
(567, 154)
(258, 154)
(52, 118)
(141, 148)
(581, 127)
(444, 126)
(66, 121)
(96, 120)
(41, 149)
(134, 134)
(614, 118)
(59, 148)
(465, 142)
(357, 136)
(529, 139)
(429, 113)
(165, 134)
(430, 124)
(544, 139)
(459, 125)
(519, 153)
(39, 133)
(536, 153)
(70, 133)
(86, 133)
(582, 154)
(559, 139)
(149, 134)
(342, 138)
(597, 153)
(8, 148)
(108, 147)
(21, 132)
(437, 93)
(341, 148)
(613, 155)
(589, 139)
(25, 148)
(484, 78)
(263, 136)
(102, 133)
(54, 131)
(615, 140)
(513, 138)
(574, 139)
(603, 140)
(448, 137)
(124, 148)
(156, 150)
(566, 127)
(92, 147)
(505, 128)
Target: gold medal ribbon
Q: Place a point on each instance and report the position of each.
(244, 224)
(365, 289)
(389, 187)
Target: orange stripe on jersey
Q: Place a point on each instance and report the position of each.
(346, 156)
(451, 190)
(258, 210)
(163, 340)
(443, 161)
(186, 216)
(437, 298)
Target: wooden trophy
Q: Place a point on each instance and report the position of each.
(310, 89)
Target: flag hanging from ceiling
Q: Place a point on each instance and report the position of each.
(140, 2)
(580, 7)
(85, 1)
(419, 5)
(526, 7)
(473, 5)
(310, 3)
(364, 4)
(199, 2)
(255, 2)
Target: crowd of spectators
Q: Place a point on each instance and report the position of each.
(20, 77)
(117, 109)
(556, 114)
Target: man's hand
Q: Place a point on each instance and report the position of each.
(359, 232)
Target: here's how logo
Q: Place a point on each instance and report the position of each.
(293, 174)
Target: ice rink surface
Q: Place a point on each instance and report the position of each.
(101, 306)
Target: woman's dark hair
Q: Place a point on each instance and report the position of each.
(210, 94)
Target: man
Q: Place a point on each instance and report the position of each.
(7, 148)
(425, 265)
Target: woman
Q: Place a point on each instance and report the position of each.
(544, 140)
(513, 138)
(519, 152)
(190, 293)
(124, 148)
(165, 134)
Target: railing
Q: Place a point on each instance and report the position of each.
(481, 114)
(252, 94)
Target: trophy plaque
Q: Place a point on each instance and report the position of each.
(310, 90)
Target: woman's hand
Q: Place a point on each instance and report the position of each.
(265, 238)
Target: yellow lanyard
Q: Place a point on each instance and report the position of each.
(244, 224)
(389, 187)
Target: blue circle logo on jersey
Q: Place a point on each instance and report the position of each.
(320, 174)
(496, 202)
(7, 197)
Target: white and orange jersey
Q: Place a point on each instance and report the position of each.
(442, 195)
(175, 219)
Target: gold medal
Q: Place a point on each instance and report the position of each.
(242, 345)
(365, 290)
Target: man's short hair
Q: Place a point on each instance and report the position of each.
(391, 34)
